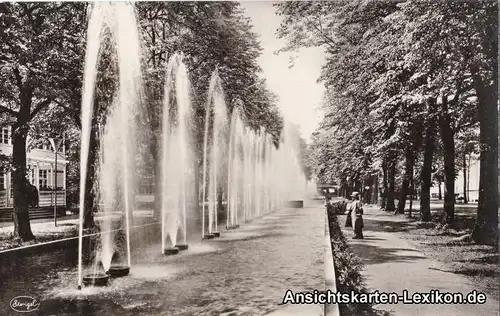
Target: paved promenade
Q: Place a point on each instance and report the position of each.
(393, 264)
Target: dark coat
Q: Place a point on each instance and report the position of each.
(358, 221)
(33, 198)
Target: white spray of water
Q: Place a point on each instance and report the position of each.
(94, 32)
(177, 153)
(269, 175)
(119, 19)
(216, 156)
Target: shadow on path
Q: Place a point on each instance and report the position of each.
(372, 254)
(392, 264)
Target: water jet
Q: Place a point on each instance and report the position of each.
(117, 133)
(214, 153)
(176, 154)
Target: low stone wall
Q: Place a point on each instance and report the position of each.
(348, 267)
(330, 278)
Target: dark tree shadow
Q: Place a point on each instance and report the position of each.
(371, 254)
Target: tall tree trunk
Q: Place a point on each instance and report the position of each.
(447, 137)
(426, 172)
(157, 195)
(348, 189)
(440, 193)
(391, 185)
(465, 178)
(391, 160)
(22, 227)
(219, 200)
(155, 152)
(197, 197)
(486, 227)
(409, 161)
(411, 154)
(385, 188)
(375, 189)
(412, 190)
(366, 193)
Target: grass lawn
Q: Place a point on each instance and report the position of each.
(453, 248)
(43, 231)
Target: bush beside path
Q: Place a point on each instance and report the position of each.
(397, 253)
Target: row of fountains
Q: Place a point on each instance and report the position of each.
(241, 166)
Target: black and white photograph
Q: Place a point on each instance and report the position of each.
(249, 158)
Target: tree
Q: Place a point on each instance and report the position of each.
(485, 77)
(211, 35)
(39, 47)
(429, 144)
(433, 56)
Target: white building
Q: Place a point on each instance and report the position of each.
(41, 171)
(473, 180)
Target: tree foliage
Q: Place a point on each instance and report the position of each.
(42, 50)
(40, 55)
(396, 67)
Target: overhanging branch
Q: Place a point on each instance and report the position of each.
(39, 107)
(72, 113)
(4, 109)
(19, 80)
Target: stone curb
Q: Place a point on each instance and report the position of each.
(330, 280)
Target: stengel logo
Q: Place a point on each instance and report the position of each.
(24, 304)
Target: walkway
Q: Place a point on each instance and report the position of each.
(245, 272)
(393, 264)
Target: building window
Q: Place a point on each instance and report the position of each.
(43, 176)
(2, 181)
(5, 135)
(60, 179)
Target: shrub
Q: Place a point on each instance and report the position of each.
(348, 266)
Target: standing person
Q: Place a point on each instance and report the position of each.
(33, 198)
(357, 208)
(348, 220)
(328, 203)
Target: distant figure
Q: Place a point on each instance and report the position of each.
(328, 203)
(33, 198)
(357, 208)
(327, 195)
(348, 219)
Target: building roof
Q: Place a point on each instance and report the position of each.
(35, 154)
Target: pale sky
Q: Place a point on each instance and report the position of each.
(299, 94)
